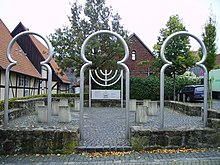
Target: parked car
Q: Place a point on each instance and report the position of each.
(192, 93)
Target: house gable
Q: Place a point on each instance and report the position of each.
(24, 66)
(37, 52)
(139, 52)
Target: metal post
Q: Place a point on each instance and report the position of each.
(90, 89)
(162, 94)
(205, 101)
(122, 97)
(49, 92)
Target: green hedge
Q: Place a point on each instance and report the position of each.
(149, 88)
(12, 100)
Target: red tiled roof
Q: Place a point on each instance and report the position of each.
(44, 51)
(24, 66)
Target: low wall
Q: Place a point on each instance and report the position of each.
(142, 138)
(13, 114)
(214, 119)
(186, 108)
(38, 141)
(26, 107)
(106, 103)
(213, 114)
(30, 103)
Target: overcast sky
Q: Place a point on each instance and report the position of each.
(143, 17)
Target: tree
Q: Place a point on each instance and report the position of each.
(209, 38)
(84, 21)
(177, 49)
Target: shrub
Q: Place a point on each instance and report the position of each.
(12, 100)
(149, 88)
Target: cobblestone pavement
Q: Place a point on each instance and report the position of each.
(210, 157)
(105, 127)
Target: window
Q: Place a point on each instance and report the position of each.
(199, 89)
(133, 55)
(23, 81)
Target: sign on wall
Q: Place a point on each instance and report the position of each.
(106, 94)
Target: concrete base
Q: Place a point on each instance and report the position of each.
(153, 108)
(146, 102)
(63, 102)
(132, 104)
(42, 113)
(141, 114)
(64, 114)
(36, 104)
(55, 108)
(76, 104)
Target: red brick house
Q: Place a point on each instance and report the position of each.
(138, 52)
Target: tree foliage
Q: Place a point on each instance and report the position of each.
(177, 50)
(85, 20)
(209, 38)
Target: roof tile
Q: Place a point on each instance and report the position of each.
(44, 51)
(24, 66)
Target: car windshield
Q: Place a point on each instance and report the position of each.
(199, 89)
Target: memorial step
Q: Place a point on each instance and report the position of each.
(103, 148)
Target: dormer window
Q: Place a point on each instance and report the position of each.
(133, 55)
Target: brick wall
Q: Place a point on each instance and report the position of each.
(142, 54)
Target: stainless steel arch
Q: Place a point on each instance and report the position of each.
(13, 63)
(168, 63)
(88, 63)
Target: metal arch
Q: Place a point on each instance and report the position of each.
(204, 52)
(168, 63)
(88, 63)
(104, 32)
(13, 63)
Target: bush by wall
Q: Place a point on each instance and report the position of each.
(149, 88)
(12, 100)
